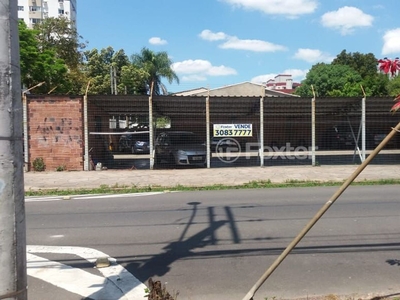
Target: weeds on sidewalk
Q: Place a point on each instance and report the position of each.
(157, 291)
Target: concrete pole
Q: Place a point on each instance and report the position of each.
(13, 278)
(151, 127)
(262, 127)
(208, 135)
(313, 163)
(363, 126)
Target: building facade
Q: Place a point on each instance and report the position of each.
(283, 83)
(34, 11)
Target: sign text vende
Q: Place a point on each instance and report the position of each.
(232, 130)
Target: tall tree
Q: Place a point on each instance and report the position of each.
(60, 35)
(375, 84)
(38, 64)
(133, 80)
(97, 66)
(158, 66)
(364, 64)
(331, 80)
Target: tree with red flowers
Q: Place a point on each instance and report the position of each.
(388, 66)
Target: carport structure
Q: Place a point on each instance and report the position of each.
(280, 124)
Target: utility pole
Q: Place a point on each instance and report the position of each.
(13, 278)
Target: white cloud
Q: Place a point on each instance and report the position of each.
(232, 42)
(288, 8)
(221, 71)
(263, 78)
(198, 70)
(346, 19)
(208, 35)
(391, 42)
(297, 75)
(193, 78)
(157, 41)
(313, 55)
(251, 45)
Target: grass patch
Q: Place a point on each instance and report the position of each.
(118, 189)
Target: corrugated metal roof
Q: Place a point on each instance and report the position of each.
(195, 105)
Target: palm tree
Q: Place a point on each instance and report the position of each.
(157, 65)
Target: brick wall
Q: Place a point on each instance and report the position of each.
(55, 131)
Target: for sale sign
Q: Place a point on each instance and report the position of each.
(233, 130)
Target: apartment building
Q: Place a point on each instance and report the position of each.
(283, 83)
(33, 11)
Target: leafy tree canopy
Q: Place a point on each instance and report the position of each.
(37, 64)
(98, 66)
(331, 80)
(52, 52)
(60, 35)
(345, 76)
(374, 83)
(364, 64)
(394, 86)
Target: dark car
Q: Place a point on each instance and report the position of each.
(141, 145)
(125, 143)
(134, 142)
(378, 137)
(338, 137)
(180, 148)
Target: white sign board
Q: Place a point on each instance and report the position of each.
(236, 130)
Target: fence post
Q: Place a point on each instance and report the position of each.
(86, 166)
(363, 131)
(313, 128)
(208, 129)
(261, 149)
(151, 127)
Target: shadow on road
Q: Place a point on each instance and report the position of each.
(159, 264)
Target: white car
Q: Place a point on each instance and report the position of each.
(180, 148)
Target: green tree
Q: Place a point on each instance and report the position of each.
(37, 64)
(61, 36)
(157, 66)
(375, 84)
(364, 64)
(133, 79)
(394, 86)
(331, 80)
(97, 67)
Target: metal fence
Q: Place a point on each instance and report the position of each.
(235, 131)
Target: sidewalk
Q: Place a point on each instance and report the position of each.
(202, 177)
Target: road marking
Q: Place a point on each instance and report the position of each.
(88, 197)
(57, 236)
(117, 282)
(42, 199)
(119, 195)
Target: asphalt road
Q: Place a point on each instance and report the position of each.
(216, 244)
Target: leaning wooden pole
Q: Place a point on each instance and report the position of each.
(320, 213)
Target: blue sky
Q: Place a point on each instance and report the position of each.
(213, 43)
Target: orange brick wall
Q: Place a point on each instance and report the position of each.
(55, 131)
